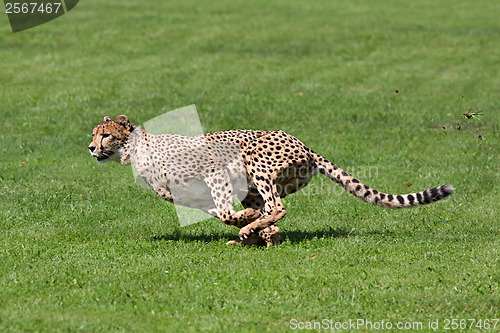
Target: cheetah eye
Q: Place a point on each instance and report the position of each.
(105, 135)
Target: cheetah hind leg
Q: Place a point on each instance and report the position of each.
(266, 237)
(270, 235)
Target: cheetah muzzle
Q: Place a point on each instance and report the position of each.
(272, 164)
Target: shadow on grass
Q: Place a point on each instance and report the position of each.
(206, 238)
(298, 236)
(295, 236)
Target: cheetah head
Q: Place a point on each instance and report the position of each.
(110, 138)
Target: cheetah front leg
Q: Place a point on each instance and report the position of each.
(268, 236)
(273, 209)
(222, 195)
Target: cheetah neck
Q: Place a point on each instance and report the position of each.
(130, 144)
(124, 156)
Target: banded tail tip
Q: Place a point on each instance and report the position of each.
(447, 189)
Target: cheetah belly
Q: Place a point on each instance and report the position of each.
(194, 194)
(294, 178)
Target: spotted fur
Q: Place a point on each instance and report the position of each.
(274, 163)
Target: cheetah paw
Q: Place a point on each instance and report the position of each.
(246, 232)
(254, 239)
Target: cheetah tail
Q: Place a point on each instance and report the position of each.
(370, 195)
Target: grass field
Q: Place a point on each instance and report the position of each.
(82, 248)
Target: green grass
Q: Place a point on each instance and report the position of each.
(84, 249)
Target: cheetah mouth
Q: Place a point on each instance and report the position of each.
(104, 157)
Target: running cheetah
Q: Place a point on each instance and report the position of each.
(272, 164)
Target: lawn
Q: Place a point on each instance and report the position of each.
(378, 87)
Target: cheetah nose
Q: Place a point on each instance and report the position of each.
(91, 148)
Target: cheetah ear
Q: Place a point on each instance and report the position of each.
(106, 118)
(123, 120)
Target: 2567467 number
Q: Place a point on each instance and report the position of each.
(32, 8)
(485, 324)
